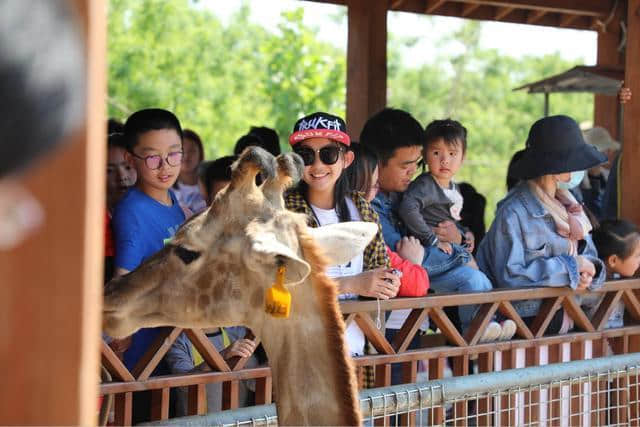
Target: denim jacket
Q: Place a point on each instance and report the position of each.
(523, 249)
(392, 228)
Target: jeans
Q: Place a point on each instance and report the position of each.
(461, 279)
(437, 262)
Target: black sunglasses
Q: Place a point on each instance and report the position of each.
(328, 154)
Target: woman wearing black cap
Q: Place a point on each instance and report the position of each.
(540, 236)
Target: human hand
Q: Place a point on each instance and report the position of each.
(239, 348)
(587, 270)
(411, 249)
(445, 247)
(470, 240)
(624, 94)
(120, 345)
(448, 232)
(379, 283)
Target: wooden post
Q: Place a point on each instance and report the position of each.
(630, 173)
(50, 296)
(366, 62)
(606, 108)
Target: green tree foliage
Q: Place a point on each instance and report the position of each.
(475, 87)
(221, 79)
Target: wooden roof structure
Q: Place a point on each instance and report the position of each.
(52, 284)
(581, 78)
(580, 15)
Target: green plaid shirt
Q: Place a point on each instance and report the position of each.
(375, 254)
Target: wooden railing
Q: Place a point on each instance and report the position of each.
(529, 347)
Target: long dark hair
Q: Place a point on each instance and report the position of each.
(360, 172)
(341, 190)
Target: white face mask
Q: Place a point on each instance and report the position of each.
(574, 181)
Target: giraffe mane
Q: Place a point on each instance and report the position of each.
(327, 297)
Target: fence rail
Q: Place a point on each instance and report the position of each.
(530, 346)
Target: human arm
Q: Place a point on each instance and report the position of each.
(129, 248)
(377, 283)
(413, 202)
(390, 228)
(513, 264)
(414, 281)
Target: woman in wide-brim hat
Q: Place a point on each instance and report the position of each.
(540, 235)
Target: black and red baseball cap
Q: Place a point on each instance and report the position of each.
(320, 125)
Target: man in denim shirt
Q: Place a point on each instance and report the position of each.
(397, 138)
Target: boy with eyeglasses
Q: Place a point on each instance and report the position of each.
(149, 214)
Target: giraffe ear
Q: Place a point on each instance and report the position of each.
(343, 241)
(268, 251)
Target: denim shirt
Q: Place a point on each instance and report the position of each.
(523, 249)
(392, 228)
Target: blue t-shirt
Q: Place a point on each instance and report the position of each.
(140, 226)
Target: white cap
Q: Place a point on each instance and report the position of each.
(601, 139)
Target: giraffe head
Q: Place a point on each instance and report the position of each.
(219, 264)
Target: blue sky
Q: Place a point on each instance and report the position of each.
(521, 39)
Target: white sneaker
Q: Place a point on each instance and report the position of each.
(508, 330)
(491, 333)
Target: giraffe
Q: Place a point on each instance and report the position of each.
(217, 268)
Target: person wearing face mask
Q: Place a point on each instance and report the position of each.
(540, 235)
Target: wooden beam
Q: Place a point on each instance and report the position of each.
(468, 8)
(584, 7)
(433, 5)
(534, 16)
(366, 62)
(606, 110)
(567, 19)
(630, 172)
(502, 12)
(50, 295)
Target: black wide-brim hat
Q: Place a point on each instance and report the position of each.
(555, 145)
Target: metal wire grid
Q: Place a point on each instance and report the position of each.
(609, 398)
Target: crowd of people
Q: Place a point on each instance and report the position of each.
(551, 228)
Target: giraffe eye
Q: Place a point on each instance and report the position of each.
(187, 256)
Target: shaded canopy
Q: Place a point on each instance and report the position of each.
(593, 79)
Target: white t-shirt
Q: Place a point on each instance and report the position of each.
(355, 337)
(397, 318)
(456, 198)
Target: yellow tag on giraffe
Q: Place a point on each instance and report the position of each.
(278, 298)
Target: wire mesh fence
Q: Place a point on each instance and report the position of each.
(597, 392)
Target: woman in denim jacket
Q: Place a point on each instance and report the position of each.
(540, 235)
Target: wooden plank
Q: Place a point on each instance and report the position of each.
(409, 376)
(373, 334)
(547, 310)
(630, 173)
(605, 308)
(436, 372)
(502, 12)
(468, 8)
(409, 329)
(574, 311)
(50, 296)
(532, 398)
(123, 409)
(631, 304)
(583, 7)
(576, 409)
(460, 369)
(113, 364)
(507, 310)
(508, 403)
(433, 5)
(197, 400)
(154, 354)
(448, 329)
(264, 387)
(366, 62)
(160, 404)
(207, 350)
(230, 397)
(485, 405)
(566, 20)
(479, 323)
(534, 16)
